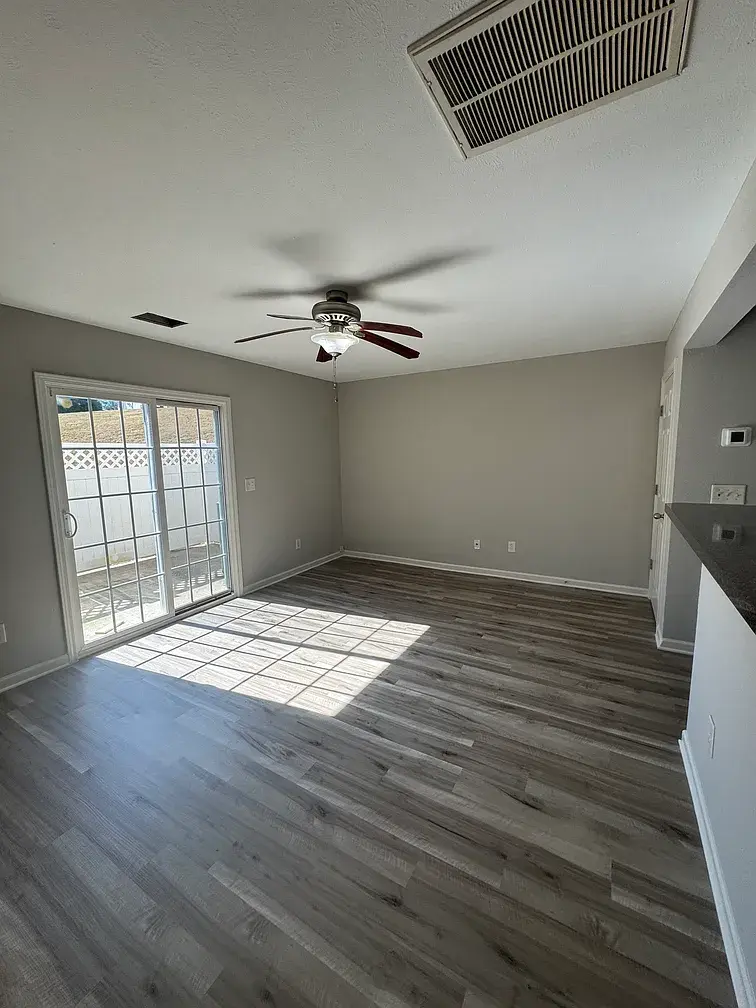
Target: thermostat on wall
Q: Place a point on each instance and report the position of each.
(736, 436)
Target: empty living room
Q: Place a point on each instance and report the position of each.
(411, 662)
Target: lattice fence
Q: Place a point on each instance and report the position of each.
(82, 456)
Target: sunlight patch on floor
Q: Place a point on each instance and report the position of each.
(313, 659)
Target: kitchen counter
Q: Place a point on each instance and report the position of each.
(723, 537)
(719, 743)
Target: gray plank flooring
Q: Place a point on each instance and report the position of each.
(367, 785)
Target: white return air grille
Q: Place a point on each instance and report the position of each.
(506, 69)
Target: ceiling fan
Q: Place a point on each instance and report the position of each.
(337, 325)
(310, 252)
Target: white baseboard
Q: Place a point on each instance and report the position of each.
(292, 572)
(26, 675)
(744, 991)
(670, 644)
(545, 579)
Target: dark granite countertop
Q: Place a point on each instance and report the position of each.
(723, 537)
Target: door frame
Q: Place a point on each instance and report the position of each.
(666, 484)
(45, 386)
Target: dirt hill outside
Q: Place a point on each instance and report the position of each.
(75, 427)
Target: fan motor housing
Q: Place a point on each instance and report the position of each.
(336, 308)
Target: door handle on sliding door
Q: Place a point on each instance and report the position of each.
(69, 516)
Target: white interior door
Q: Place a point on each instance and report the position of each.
(139, 510)
(662, 493)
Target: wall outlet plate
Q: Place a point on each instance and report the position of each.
(511, 546)
(728, 493)
(726, 533)
(736, 437)
(249, 484)
(476, 543)
(297, 544)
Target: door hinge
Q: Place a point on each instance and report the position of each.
(651, 564)
(661, 410)
(656, 489)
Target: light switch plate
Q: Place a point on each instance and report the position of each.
(728, 493)
(249, 484)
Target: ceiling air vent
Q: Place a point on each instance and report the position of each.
(163, 320)
(505, 69)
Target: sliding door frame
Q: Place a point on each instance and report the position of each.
(47, 387)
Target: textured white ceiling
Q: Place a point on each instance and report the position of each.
(155, 155)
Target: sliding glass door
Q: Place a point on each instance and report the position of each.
(112, 517)
(139, 506)
(194, 502)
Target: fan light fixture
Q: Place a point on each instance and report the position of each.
(334, 340)
(336, 325)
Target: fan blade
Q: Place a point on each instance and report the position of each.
(296, 318)
(311, 253)
(395, 304)
(402, 330)
(426, 264)
(308, 250)
(266, 293)
(323, 357)
(388, 344)
(277, 332)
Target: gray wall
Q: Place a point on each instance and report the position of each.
(285, 435)
(718, 389)
(724, 685)
(557, 453)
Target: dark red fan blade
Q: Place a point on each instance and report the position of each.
(323, 357)
(402, 330)
(388, 344)
(277, 332)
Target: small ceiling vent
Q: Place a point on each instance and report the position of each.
(506, 69)
(163, 320)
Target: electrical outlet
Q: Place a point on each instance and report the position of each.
(476, 543)
(249, 484)
(511, 546)
(3, 636)
(710, 737)
(727, 493)
(726, 533)
(297, 544)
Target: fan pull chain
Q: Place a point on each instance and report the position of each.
(335, 386)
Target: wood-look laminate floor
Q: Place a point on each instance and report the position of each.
(367, 785)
